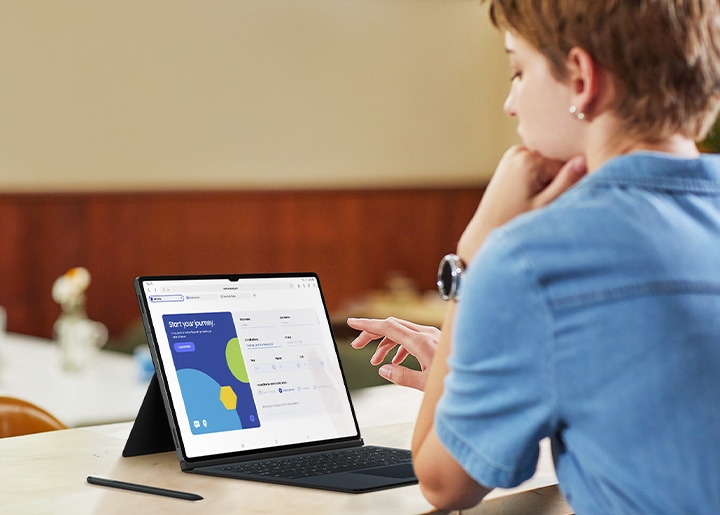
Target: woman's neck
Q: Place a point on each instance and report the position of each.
(606, 141)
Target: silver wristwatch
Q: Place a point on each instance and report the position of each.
(450, 273)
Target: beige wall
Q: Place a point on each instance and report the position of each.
(147, 94)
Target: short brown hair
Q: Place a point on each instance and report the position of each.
(663, 55)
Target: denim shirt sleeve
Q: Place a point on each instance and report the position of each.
(497, 399)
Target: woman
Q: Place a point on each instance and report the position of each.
(591, 314)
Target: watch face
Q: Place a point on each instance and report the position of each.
(446, 280)
(449, 272)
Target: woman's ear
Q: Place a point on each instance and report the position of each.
(585, 78)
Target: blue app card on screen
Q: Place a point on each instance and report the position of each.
(211, 371)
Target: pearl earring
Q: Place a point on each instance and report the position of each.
(577, 114)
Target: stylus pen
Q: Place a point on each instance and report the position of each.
(143, 488)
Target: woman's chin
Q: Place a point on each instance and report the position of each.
(548, 153)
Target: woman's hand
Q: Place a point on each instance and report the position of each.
(524, 180)
(409, 338)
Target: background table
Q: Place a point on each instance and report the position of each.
(109, 390)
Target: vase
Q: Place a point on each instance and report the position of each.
(78, 337)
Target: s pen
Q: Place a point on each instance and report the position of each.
(113, 483)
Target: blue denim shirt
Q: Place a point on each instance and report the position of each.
(596, 321)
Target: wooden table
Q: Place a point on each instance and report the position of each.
(46, 473)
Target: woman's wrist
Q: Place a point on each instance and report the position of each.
(471, 242)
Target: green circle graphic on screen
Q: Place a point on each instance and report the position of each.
(235, 361)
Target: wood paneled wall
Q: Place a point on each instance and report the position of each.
(353, 238)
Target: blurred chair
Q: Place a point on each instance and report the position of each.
(19, 417)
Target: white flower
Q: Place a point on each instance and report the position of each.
(69, 289)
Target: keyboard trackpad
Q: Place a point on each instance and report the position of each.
(399, 471)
